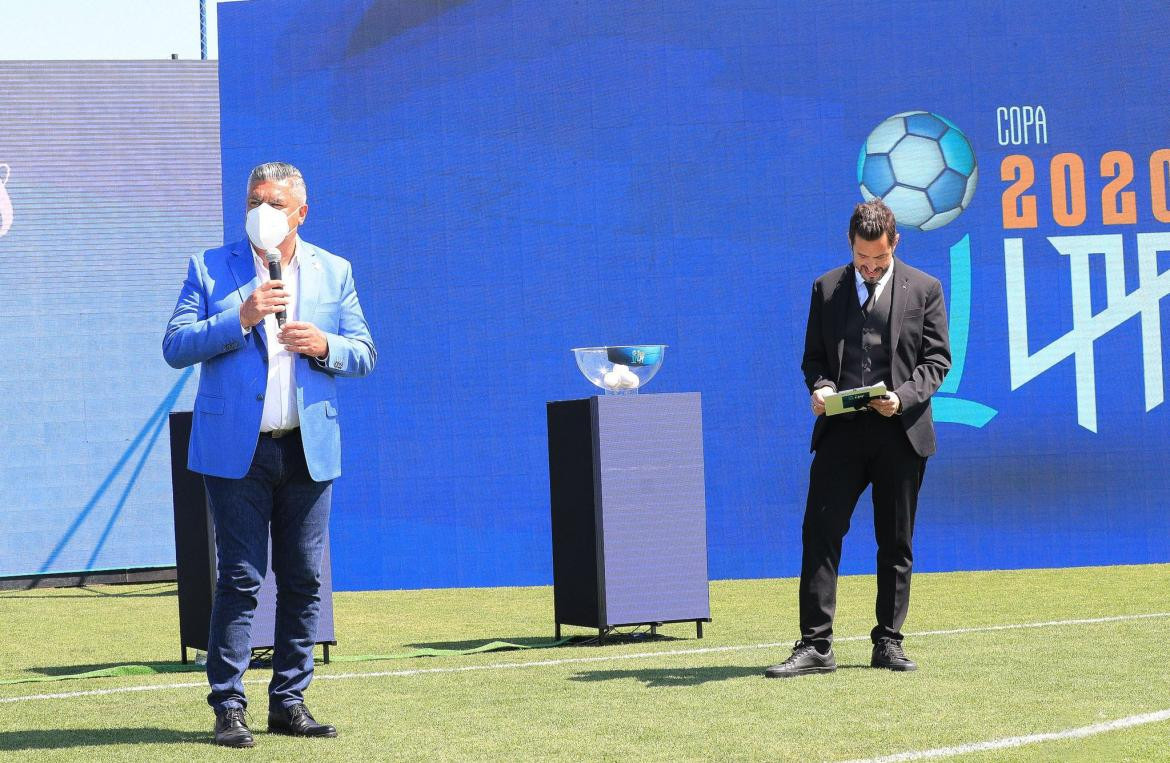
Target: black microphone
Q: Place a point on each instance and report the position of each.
(273, 258)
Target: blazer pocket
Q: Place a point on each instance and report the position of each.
(209, 404)
(327, 316)
(913, 313)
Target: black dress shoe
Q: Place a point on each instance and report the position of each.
(804, 661)
(296, 721)
(230, 728)
(888, 654)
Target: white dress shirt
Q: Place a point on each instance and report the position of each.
(863, 293)
(280, 396)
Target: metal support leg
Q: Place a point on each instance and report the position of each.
(557, 632)
(699, 628)
(326, 653)
(184, 655)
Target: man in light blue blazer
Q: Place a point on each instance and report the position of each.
(266, 435)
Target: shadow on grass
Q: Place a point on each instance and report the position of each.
(611, 639)
(82, 592)
(684, 676)
(157, 667)
(680, 676)
(528, 641)
(57, 739)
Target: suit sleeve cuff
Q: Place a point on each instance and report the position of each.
(905, 399)
(330, 363)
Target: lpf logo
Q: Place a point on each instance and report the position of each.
(5, 201)
(1087, 326)
(1073, 193)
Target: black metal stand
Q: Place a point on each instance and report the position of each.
(626, 488)
(603, 631)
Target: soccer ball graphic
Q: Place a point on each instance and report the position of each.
(922, 166)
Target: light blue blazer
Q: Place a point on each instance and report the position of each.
(205, 328)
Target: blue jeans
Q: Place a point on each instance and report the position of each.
(276, 493)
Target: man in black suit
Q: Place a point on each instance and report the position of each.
(874, 320)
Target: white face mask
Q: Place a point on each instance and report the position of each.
(266, 226)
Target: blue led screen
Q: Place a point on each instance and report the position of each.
(513, 179)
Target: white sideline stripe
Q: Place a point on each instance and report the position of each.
(1020, 741)
(731, 648)
(601, 658)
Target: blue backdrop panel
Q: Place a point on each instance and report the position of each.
(109, 182)
(512, 179)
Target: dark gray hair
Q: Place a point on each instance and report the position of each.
(278, 171)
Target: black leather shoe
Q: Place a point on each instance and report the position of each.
(296, 721)
(804, 661)
(231, 730)
(888, 654)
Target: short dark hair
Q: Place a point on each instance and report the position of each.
(870, 220)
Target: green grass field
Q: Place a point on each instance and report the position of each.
(658, 700)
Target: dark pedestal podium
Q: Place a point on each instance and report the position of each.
(629, 517)
(195, 564)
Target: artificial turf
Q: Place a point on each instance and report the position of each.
(656, 700)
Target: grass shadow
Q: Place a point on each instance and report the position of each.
(58, 739)
(158, 667)
(528, 641)
(681, 676)
(85, 592)
(611, 639)
(162, 589)
(625, 639)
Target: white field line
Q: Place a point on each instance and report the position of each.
(600, 658)
(1007, 742)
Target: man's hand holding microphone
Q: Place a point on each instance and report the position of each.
(296, 336)
(268, 299)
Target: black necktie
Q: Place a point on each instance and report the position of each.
(872, 289)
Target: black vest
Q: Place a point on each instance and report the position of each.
(865, 359)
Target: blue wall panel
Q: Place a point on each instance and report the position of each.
(512, 179)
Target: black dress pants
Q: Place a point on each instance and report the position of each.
(853, 453)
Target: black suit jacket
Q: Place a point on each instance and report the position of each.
(920, 352)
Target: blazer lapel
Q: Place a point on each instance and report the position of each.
(309, 289)
(243, 266)
(843, 294)
(897, 306)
